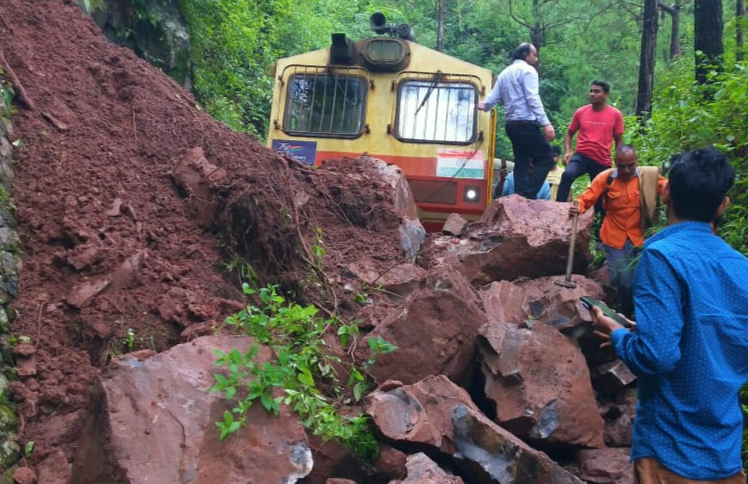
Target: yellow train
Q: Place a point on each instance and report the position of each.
(398, 101)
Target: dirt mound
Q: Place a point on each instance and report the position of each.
(113, 257)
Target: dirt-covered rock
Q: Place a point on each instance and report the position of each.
(516, 238)
(153, 421)
(434, 331)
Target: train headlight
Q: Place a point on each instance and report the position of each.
(471, 194)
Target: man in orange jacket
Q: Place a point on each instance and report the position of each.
(622, 226)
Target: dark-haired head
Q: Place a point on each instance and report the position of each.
(698, 184)
(522, 51)
(603, 85)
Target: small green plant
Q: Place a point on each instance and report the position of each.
(24, 339)
(378, 346)
(7, 94)
(29, 448)
(318, 249)
(245, 271)
(296, 335)
(128, 341)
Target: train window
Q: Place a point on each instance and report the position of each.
(436, 112)
(325, 104)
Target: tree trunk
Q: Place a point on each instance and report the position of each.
(647, 58)
(739, 24)
(440, 30)
(674, 12)
(707, 43)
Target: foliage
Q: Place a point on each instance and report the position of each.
(298, 373)
(236, 42)
(687, 116)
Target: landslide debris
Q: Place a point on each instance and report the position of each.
(116, 257)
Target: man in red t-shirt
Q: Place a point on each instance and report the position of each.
(598, 126)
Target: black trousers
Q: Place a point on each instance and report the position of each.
(530, 147)
(578, 166)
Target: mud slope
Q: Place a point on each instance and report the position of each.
(110, 246)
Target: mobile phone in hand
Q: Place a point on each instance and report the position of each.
(590, 302)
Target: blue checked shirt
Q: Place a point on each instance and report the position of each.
(690, 351)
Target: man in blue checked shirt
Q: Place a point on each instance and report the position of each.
(690, 345)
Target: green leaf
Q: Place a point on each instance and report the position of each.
(28, 449)
(306, 378)
(358, 390)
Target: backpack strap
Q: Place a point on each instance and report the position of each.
(648, 181)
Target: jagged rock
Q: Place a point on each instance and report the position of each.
(399, 280)
(422, 470)
(333, 460)
(391, 463)
(201, 181)
(517, 237)
(541, 300)
(83, 257)
(412, 233)
(152, 421)
(128, 273)
(434, 331)
(54, 469)
(437, 416)
(539, 384)
(610, 377)
(619, 419)
(83, 294)
(455, 225)
(26, 366)
(606, 466)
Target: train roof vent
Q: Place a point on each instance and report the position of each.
(342, 50)
(385, 54)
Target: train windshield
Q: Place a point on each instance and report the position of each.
(328, 104)
(439, 112)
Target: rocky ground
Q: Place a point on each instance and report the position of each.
(132, 203)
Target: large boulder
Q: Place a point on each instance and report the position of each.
(153, 422)
(619, 421)
(434, 331)
(412, 233)
(422, 470)
(606, 466)
(542, 300)
(517, 237)
(539, 384)
(438, 417)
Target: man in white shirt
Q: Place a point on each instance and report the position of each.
(517, 89)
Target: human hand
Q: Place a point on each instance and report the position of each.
(482, 106)
(573, 210)
(567, 157)
(604, 325)
(550, 133)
